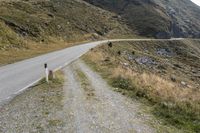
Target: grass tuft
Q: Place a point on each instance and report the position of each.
(122, 83)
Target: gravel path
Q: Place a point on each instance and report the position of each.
(114, 113)
(85, 104)
(96, 108)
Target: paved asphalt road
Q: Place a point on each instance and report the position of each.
(17, 77)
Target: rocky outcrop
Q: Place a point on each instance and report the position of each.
(157, 18)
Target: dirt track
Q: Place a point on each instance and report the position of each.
(94, 107)
(85, 104)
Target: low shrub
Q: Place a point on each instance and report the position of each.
(122, 83)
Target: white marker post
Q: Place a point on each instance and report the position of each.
(46, 72)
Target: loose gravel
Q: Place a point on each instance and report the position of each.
(84, 104)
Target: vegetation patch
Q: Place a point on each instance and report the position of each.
(174, 102)
(122, 83)
(55, 122)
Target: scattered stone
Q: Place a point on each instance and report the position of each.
(194, 72)
(130, 57)
(125, 64)
(161, 67)
(177, 65)
(59, 27)
(183, 83)
(165, 52)
(119, 52)
(107, 59)
(46, 23)
(173, 78)
(146, 50)
(110, 44)
(116, 89)
(168, 104)
(24, 33)
(145, 60)
(189, 86)
(124, 52)
(197, 76)
(50, 15)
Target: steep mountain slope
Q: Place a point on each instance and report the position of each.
(44, 20)
(32, 27)
(158, 18)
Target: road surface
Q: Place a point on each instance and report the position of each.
(84, 104)
(17, 77)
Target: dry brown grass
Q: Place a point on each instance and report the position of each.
(32, 49)
(157, 86)
(176, 103)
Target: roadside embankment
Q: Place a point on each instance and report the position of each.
(161, 73)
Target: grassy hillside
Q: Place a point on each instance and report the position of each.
(8, 36)
(27, 24)
(164, 74)
(157, 18)
(56, 18)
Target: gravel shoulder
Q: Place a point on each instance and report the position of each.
(85, 103)
(115, 112)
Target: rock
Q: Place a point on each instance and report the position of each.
(59, 27)
(177, 65)
(130, 57)
(173, 78)
(110, 44)
(189, 86)
(50, 15)
(165, 52)
(24, 33)
(145, 60)
(168, 104)
(163, 35)
(194, 71)
(183, 83)
(125, 64)
(119, 52)
(107, 59)
(162, 67)
(146, 50)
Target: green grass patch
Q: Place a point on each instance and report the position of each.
(122, 83)
(178, 117)
(179, 114)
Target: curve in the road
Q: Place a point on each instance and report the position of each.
(17, 77)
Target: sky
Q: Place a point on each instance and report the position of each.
(196, 1)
